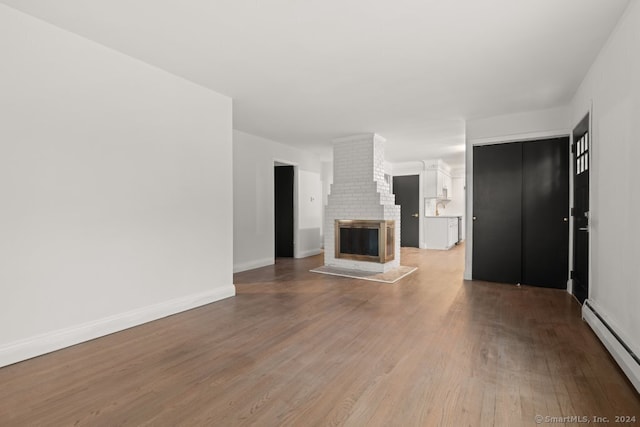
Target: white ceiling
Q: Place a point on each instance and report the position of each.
(306, 72)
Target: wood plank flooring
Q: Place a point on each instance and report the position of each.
(295, 348)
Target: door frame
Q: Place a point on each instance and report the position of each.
(533, 136)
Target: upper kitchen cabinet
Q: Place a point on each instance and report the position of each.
(437, 180)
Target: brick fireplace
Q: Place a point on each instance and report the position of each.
(362, 221)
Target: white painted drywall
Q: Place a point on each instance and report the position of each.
(115, 190)
(457, 204)
(518, 126)
(612, 86)
(507, 128)
(253, 203)
(310, 213)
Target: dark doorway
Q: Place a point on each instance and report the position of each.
(283, 186)
(521, 207)
(497, 212)
(407, 191)
(581, 161)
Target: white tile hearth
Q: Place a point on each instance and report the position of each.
(391, 276)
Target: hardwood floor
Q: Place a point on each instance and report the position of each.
(301, 349)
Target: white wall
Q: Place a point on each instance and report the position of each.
(310, 214)
(115, 185)
(612, 86)
(507, 128)
(457, 204)
(253, 202)
(518, 126)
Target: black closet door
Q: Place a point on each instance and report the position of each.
(545, 213)
(497, 213)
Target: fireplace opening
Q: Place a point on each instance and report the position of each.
(365, 240)
(359, 241)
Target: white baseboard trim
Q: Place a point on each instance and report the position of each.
(621, 354)
(310, 252)
(250, 265)
(38, 345)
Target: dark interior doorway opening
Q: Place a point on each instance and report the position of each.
(284, 210)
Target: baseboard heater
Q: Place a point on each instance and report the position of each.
(619, 349)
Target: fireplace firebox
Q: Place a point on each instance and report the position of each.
(365, 240)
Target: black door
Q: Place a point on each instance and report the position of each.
(407, 191)
(581, 161)
(497, 212)
(283, 184)
(545, 213)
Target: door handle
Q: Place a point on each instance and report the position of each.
(583, 229)
(474, 218)
(565, 219)
(415, 215)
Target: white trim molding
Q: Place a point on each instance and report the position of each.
(309, 252)
(619, 346)
(250, 265)
(38, 345)
(520, 137)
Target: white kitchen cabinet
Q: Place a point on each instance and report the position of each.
(441, 232)
(447, 184)
(453, 232)
(437, 180)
